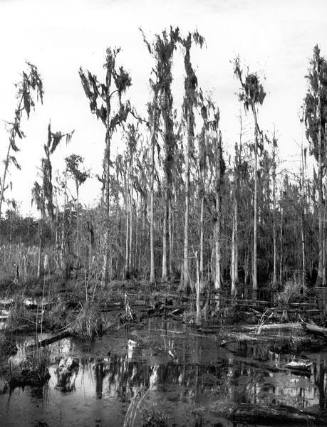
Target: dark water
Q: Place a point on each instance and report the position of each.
(163, 368)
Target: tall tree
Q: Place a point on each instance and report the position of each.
(235, 196)
(205, 168)
(219, 176)
(132, 140)
(162, 49)
(303, 211)
(190, 100)
(102, 97)
(31, 83)
(252, 95)
(154, 115)
(315, 115)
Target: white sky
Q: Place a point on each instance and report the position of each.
(273, 37)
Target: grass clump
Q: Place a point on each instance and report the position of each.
(88, 322)
(154, 418)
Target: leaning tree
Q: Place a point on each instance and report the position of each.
(31, 83)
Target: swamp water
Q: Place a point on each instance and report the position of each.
(163, 368)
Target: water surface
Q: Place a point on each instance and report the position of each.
(162, 367)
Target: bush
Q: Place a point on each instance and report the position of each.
(293, 291)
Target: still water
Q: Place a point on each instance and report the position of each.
(162, 368)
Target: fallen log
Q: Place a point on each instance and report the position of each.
(272, 326)
(314, 329)
(51, 340)
(301, 366)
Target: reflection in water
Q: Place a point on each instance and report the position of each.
(66, 373)
(179, 374)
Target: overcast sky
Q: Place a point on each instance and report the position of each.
(274, 38)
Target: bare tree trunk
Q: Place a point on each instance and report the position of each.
(39, 260)
(127, 236)
(64, 260)
(143, 241)
(218, 210)
(107, 247)
(236, 244)
(186, 274)
(303, 248)
(201, 239)
(246, 271)
(218, 252)
(320, 277)
(321, 266)
(255, 205)
(303, 218)
(324, 207)
(164, 243)
(136, 236)
(152, 271)
(324, 244)
(78, 239)
(153, 140)
(171, 240)
(235, 193)
(281, 247)
(169, 142)
(167, 190)
(234, 267)
(274, 281)
(130, 252)
(238, 160)
(198, 288)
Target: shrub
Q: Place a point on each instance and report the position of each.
(293, 291)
